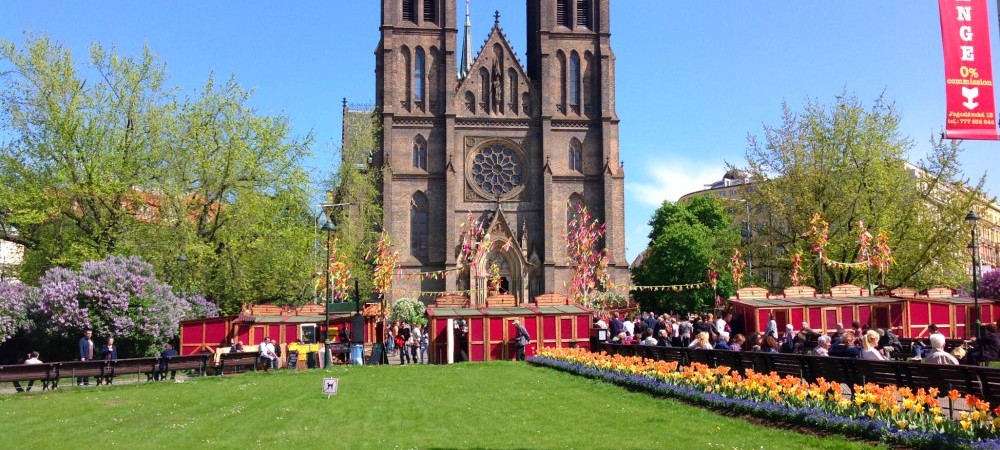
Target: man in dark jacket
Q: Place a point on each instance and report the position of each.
(86, 348)
(167, 353)
(616, 326)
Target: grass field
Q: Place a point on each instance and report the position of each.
(491, 405)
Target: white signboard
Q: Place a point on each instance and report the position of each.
(330, 386)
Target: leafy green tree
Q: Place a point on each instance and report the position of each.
(848, 162)
(356, 183)
(686, 241)
(108, 161)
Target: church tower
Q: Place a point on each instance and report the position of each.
(473, 132)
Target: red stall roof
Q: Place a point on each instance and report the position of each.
(507, 311)
(812, 301)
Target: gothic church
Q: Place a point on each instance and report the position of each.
(516, 146)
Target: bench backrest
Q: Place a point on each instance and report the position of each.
(27, 372)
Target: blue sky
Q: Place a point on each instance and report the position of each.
(695, 78)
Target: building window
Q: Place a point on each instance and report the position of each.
(407, 79)
(574, 80)
(563, 13)
(420, 153)
(583, 13)
(430, 11)
(418, 225)
(575, 156)
(561, 57)
(484, 93)
(572, 212)
(410, 10)
(419, 64)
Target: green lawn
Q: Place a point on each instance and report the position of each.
(491, 405)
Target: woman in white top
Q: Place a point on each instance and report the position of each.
(869, 346)
(701, 341)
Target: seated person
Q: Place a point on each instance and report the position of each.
(937, 355)
(846, 347)
(161, 372)
(822, 346)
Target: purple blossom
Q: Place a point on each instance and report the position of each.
(14, 309)
(989, 285)
(117, 297)
(201, 307)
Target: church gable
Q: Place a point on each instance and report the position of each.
(496, 85)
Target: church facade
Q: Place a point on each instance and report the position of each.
(514, 146)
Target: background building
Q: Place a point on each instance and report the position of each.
(11, 257)
(517, 146)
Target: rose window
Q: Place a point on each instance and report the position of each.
(497, 169)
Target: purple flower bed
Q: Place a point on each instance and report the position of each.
(862, 428)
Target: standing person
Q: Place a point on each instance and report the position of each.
(414, 343)
(462, 344)
(424, 343)
(390, 339)
(616, 326)
(86, 347)
(772, 326)
(521, 339)
(277, 353)
(109, 352)
(404, 336)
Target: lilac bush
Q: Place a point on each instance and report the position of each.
(989, 285)
(117, 297)
(201, 307)
(14, 310)
(59, 303)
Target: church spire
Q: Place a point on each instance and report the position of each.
(463, 71)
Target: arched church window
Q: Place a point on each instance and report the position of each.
(575, 155)
(420, 153)
(572, 212)
(407, 79)
(588, 83)
(419, 65)
(561, 57)
(484, 95)
(574, 81)
(418, 225)
(512, 75)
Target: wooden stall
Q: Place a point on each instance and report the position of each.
(284, 324)
(801, 304)
(491, 332)
(906, 312)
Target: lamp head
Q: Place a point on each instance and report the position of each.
(972, 217)
(329, 226)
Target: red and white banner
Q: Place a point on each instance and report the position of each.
(968, 72)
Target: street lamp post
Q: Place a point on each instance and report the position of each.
(747, 233)
(973, 220)
(181, 263)
(329, 228)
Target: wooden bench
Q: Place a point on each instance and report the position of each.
(77, 369)
(196, 363)
(133, 366)
(16, 373)
(237, 362)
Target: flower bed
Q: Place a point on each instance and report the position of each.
(892, 414)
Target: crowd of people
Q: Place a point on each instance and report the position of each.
(705, 331)
(407, 342)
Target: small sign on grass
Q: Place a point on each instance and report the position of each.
(330, 386)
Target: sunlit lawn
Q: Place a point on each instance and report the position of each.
(493, 405)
